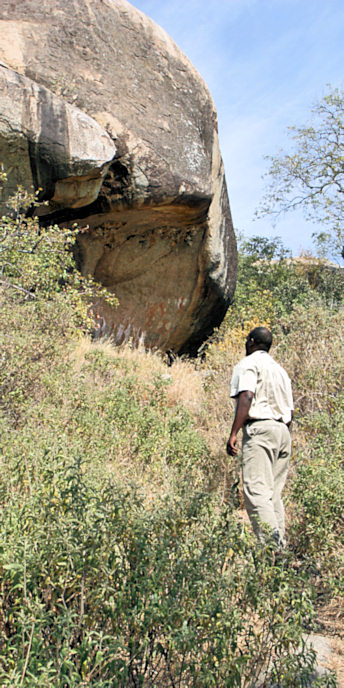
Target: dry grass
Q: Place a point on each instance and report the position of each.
(312, 353)
(336, 663)
(203, 389)
(331, 618)
(184, 388)
(185, 381)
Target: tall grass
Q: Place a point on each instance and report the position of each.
(123, 558)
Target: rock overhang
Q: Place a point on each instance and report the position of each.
(159, 226)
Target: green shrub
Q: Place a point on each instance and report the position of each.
(317, 497)
(268, 273)
(37, 262)
(302, 304)
(99, 590)
(118, 568)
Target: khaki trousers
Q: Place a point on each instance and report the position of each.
(266, 452)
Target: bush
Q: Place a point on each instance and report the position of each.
(304, 311)
(120, 564)
(316, 499)
(271, 284)
(100, 590)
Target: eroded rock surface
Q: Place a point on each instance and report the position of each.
(154, 198)
(47, 143)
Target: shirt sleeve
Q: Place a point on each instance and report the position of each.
(244, 379)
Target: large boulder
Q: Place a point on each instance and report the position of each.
(48, 143)
(114, 123)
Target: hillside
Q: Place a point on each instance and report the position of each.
(125, 556)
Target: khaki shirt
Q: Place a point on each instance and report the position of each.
(271, 385)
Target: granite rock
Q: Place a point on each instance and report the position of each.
(159, 232)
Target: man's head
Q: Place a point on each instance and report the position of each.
(259, 339)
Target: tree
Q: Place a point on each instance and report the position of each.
(37, 263)
(311, 177)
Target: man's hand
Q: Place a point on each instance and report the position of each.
(231, 448)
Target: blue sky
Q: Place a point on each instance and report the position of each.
(265, 63)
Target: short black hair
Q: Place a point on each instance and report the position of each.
(262, 337)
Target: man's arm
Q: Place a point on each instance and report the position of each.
(241, 414)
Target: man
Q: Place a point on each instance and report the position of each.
(264, 410)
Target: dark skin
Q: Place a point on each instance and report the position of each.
(243, 406)
(241, 415)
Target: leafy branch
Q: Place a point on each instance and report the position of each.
(311, 176)
(38, 262)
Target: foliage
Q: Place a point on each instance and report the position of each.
(267, 275)
(44, 301)
(301, 301)
(122, 563)
(270, 285)
(310, 345)
(317, 496)
(312, 176)
(99, 590)
(37, 263)
(265, 264)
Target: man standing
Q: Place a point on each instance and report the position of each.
(264, 410)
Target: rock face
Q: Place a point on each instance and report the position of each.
(100, 108)
(49, 144)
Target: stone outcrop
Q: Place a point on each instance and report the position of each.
(47, 143)
(114, 123)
